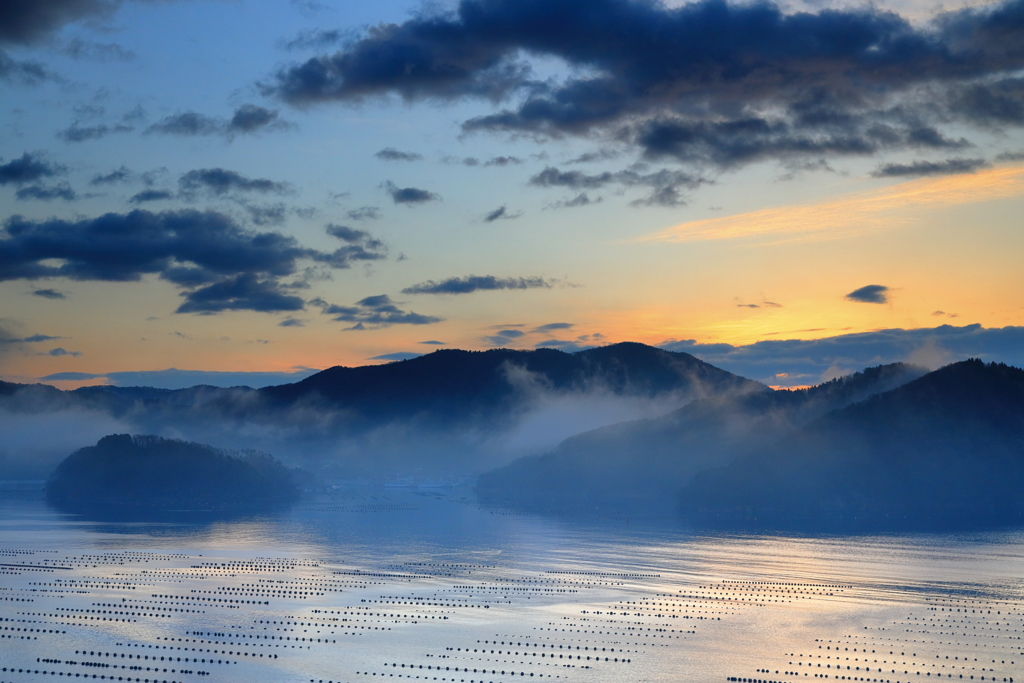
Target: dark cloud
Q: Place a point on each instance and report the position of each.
(118, 175)
(98, 52)
(474, 283)
(503, 161)
(400, 355)
(810, 361)
(501, 213)
(704, 82)
(364, 213)
(869, 294)
(61, 352)
(245, 292)
(5, 338)
(187, 123)
(47, 193)
(291, 322)
(922, 168)
(374, 312)
(49, 294)
(267, 214)
(219, 181)
(250, 118)
(234, 268)
(24, 73)
(28, 21)
(582, 199)
(550, 327)
(433, 342)
(151, 196)
(1010, 156)
(77, 133)
(247, 119)
(392, 154)
(408, 195)
(359, 245)
(28, 168)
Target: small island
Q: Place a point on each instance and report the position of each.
(141, 477)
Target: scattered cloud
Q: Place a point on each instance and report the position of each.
(433, 342)
(392, 154)
(364, 213)
(551, 327)
(187, 123)
(98, 52)
(705, 83)
(151, 196)
(57, 352)
(219, 181)
(118, 175)
(666, 185)
(374, 312)
(315, 39)
(78, 133)
(250, 118)
(855, 213)
(401, 355)
(221, 265)
(245, 292)
(408, 195)
(923, 168)
(247, 119)
(47, 193)
(49, 294)
(24, 72)
(501, 213)
(28, 168)
(291, 322)
(582, 199)
(5, 338)
(474, 283)
(869, 294)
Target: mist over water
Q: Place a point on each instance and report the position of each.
(357, 584)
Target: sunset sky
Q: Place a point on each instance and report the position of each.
(261, 189)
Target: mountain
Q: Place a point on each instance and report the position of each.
(944, 451)
(449, 413)
(136, 477)
(639, 467)
(454, 385)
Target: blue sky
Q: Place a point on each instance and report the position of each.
(242, 187)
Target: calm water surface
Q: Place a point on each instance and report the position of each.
(426, 585)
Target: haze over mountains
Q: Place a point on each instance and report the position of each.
(639, 467)
(944, 451)
(448, 414)
(623, 431)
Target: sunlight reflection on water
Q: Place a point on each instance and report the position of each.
(385, 578)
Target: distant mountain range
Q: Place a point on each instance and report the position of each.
(945, 451)
(639, 467)
(437, 413)
(891, 447)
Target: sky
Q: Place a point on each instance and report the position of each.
(238, 192)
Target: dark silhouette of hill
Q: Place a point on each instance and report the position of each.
(639, 467)
(943, 452)
(436, 416)
(456, 386)
(138, 477)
